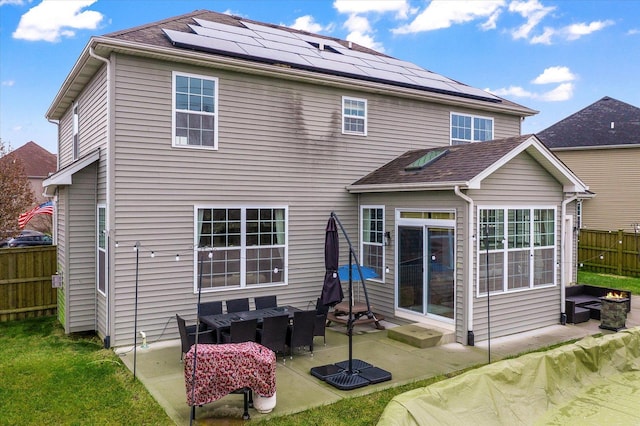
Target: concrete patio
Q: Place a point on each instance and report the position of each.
(159, 368)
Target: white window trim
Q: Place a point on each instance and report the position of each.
(243, 250)
(174, 74)
(75, 131)
(365, 118)
(384, 248)
(452, 139)
(481, 252)
(98, 249)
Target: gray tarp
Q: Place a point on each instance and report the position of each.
(593, 381)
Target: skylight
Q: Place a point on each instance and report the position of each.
(426, 159)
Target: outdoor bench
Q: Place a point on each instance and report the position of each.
(582, 301)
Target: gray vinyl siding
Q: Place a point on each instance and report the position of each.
(613, 174)
(382, 296)
(81, 277)
(280, 144)
(65, 139)
(522, 182)
(62, 205)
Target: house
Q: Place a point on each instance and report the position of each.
(202, 155)
(38, 165)
(601, 144)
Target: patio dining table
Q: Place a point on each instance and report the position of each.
(222, 322)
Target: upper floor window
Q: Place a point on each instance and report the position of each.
(469, 128)
(240, 246)
(373, 241)
(195, 111)
(354, 116)
(76, 131)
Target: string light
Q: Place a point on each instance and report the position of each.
(177, 257)
(153, 254)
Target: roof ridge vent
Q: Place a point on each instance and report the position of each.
(425, 160)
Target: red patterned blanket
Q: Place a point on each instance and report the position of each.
(221, 369)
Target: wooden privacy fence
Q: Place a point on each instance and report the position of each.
(25, 282)
(607, 252)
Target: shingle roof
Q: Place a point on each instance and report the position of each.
(460, 163)
(38, 162)
(607, 122)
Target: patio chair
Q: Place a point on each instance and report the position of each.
(211, 308)
(273, 333)
(188, 335)
(265, 302)
(238, 305)
(319, 329)
(241, 331)
(300, 333)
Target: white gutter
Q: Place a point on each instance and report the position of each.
(563, 315)
(107, 277)
(470, 246)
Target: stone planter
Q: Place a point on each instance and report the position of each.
(613, 313)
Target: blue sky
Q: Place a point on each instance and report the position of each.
(556, 57)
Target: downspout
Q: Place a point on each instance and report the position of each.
(57, 123)
(563, 314)
(470, 248)
(107, 284)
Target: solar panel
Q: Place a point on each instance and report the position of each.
(268, 44)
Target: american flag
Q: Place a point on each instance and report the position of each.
(44, 208)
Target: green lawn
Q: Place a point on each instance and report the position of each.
(49, 378)
(614, 281)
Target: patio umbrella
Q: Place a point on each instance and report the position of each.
(332, 289)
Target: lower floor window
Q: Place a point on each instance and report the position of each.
(239, 247)
(516, 249)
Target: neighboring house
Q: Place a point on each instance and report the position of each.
(601, 144)
(38, 165)
(219, 146)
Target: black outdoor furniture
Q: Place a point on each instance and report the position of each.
(264, 302)
(222, 322)
(241, 331)
(300, 333)
(238, 305)
(188, 335)
(273, 333)
(582, 302)
(320, 325)
(210, 308)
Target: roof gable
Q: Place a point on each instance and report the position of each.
(37, 161)
(607, 122)
(465, 166)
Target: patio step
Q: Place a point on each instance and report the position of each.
(420, 336)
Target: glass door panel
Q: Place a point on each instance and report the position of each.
(410, 268)
(440, 288)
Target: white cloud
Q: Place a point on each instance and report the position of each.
(17, 128)
(515, 91)
(307, 23)
(12, 2)
(357, 23)
(52, 20)
(561, 93)
(400, 7)
(8, 83)
(554, 75)
(544, 38)
(633, 31)
(442, 14)
(533, 11)
(575, 31)
(365, 40)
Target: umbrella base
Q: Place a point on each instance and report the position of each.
(347, 381)
(362, 374)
